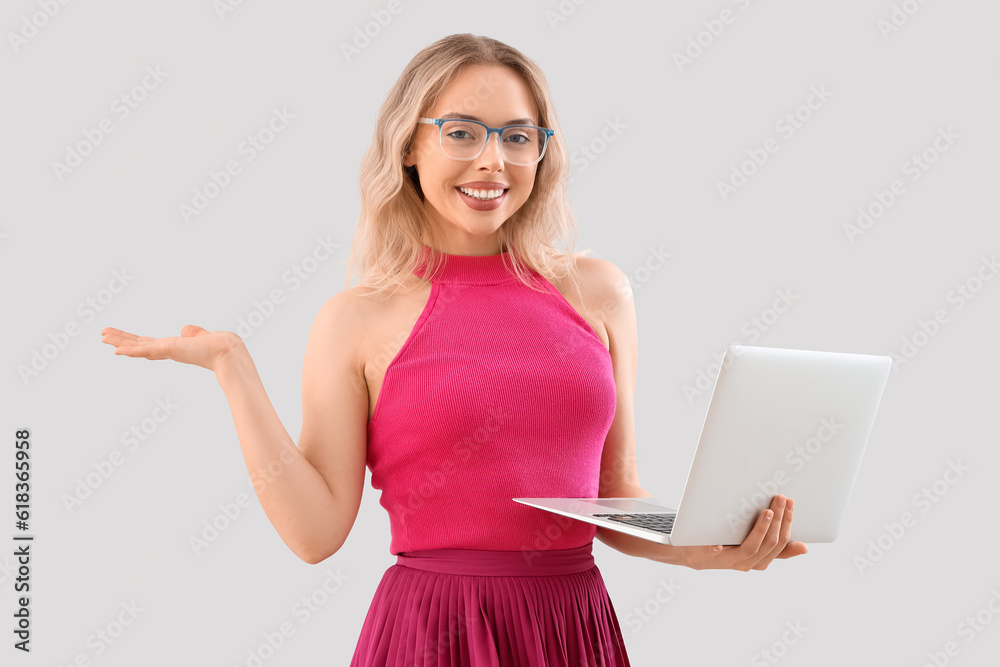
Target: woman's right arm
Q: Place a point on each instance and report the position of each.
(311, 493)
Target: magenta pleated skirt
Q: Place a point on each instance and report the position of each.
(475, 608)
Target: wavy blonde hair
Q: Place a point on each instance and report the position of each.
(388, 243)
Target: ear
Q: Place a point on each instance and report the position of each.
(408, 159)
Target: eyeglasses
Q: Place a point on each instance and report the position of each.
(523, 145)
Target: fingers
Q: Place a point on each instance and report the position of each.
(131, 345)
(150, 349)
(112, 335)
(793, 549)
(743, 556)
(767, 526)
(763, 538)
(784, 533)
(786, 525)
(769, 539)
(118, 337)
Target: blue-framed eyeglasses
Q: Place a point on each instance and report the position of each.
(462, 139)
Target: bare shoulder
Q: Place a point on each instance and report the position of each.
(363, 305)
(347, 306)
(602, 287)
(339, 323)
(606, 289)
(354, 312)
(605, 278)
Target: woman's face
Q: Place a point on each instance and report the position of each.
(496, 96)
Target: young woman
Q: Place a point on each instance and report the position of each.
(495, 367)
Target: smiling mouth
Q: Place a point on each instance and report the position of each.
(482, 195)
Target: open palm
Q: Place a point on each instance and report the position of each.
(194, 346)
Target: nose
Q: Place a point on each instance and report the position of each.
(492, 155)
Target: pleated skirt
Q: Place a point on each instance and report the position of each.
(476, 608)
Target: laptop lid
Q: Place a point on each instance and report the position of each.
(780, 421)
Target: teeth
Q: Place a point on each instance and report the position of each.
(482, 194)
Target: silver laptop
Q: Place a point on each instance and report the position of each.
(789, 422)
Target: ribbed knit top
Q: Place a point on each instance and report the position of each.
(498, 392)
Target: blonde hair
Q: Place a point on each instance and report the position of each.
(388, 240)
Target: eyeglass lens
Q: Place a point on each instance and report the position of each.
(463, 140)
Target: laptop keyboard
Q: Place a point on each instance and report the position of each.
(661, 523)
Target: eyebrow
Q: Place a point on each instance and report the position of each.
(512, 121)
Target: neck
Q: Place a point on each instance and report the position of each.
(470, 246)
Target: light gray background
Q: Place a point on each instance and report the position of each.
(653, 186)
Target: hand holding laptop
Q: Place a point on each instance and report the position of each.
(754, 553)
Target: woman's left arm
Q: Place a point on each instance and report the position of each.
(610, 295)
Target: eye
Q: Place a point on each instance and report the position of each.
(519, 136)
